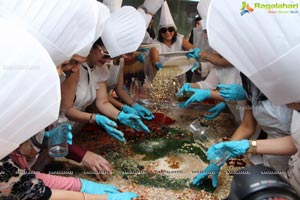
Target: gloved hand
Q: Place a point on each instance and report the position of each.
(133, 121)
(140, 58)
(216, 110)
(158, 65)
(67, 131)
(195, 66)
(129, 110)
(143, 112)
(232, 92)
(198, 96)
(211, 169)
(123, 196)
(109, 127)
(91, 187)
(194, 53)
(143, 50)
(235, 148)
(184, 88)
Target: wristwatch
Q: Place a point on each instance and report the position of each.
(253, 147)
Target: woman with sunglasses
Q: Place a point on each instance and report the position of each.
(87, 85)
(168, 39)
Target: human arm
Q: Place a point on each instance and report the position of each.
(122, 94)
(247, 127)
(109, 110)
(214, 58)
(92, 161)
(186, 45)
(154, 57)
(276, 146)
(103, 104)
(71, 195)
(68, 93)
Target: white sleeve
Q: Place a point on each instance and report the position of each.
(206, 67)
(211, 81)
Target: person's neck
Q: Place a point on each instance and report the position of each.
(89, 62)
(168, 43)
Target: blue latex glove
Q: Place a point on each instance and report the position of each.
(235, 148)
(216, 110)
(122, 196)
(91, 187)
(109, 127)
(198, 96)
(143, 50)
(140, 58)
(143, 112)
(211, 169)
(129, 110)
(185, 88)
(232, 92)
(158, 65)
(195, 66)
(194, 53)
(67, 130)
(133, 121)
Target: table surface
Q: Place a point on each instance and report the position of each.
(98, 141)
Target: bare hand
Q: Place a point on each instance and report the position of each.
(97, 164)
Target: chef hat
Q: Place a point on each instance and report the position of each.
(103, 15)
(60, 26)
(153, 6)
(146, 16)
(124, 31)
(202, 8)
(166, 19)
(30, 92)
(268, 53)
(113, 4)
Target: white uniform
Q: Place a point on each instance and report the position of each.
(162, 48)
(88, 84)
(276, 122)
(114, 73)
(293, 172)
(225, 75)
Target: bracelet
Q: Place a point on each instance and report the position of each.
(84, 197)
(253, 147)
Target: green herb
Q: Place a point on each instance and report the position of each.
(157, 148)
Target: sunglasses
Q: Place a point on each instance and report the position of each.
(169, 29)
(104, 53)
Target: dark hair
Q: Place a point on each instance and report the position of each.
(160, 38)
(197, 18)
(249, 87)
(98, 42)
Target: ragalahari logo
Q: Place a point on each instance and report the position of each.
(246, 8)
